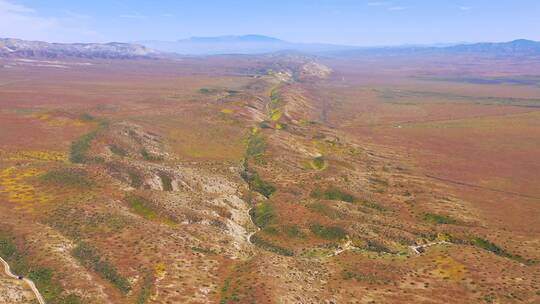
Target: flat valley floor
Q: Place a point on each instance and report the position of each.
(271, 179)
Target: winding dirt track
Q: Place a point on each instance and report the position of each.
(31, 284)
(419, 249)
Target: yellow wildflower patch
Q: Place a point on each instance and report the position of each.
(160, 270)
(276, 114)
(12, 184)
(449, 269)
(38, 155)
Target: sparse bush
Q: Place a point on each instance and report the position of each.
(329, 233)
(257, 184)
(86, 117)
(376, 247)
(489, 246)
(271, 247)
(150, 156)
(117, 150)
(325, 210)
(294, 231)
(373, 205)
(135, 179)
(333, 194)
(256, 145)
(361, 277)
(437, 218)
(146, 288)
(67, 177)
(43, 277)
(141, 206)
(91, 259)
(318, 163)
(265, 125)
(202, 250)
(166, 181)
(7, 247)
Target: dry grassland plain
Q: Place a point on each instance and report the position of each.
(266, 179)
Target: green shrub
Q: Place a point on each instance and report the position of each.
(437, 218)
(256, 145)
(118, 150)
(361, 277)
(86, 117)
(271, 247)
(376, 247)
(333, 194)
(265, 124)
(329, 233)
(135, 179)
(262, 214)
(166, 181)
(91, 259)
(7, 247)
(318, 163)
(43, 277)
(202, 250)
(489, 246)
(257, 184)
(146, 289)
(373, 205)
(141, 206)
(325, 210)
(150, 156)
(67, 177)
(80, 147)
(294, 231)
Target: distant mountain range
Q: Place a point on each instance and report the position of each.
(516, 48)
(250, 44)
(247, 44)
(113, 50)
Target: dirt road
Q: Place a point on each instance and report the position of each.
(31, 284)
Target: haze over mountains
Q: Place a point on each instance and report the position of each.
(249, 45)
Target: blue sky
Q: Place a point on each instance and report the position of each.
(353, 22)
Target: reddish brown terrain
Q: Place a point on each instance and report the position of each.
(271, 179)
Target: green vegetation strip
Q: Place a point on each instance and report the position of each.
(256, 145)
(328, 233)
(333, 194)
(43, 277)
(437, 219)
(146, 289)
(263, 214)
(491, 247)
(256, 183)
(141, 206)
(80, 147)
(91, 259)
(271, 247)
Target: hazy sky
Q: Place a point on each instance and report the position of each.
(354, 22)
